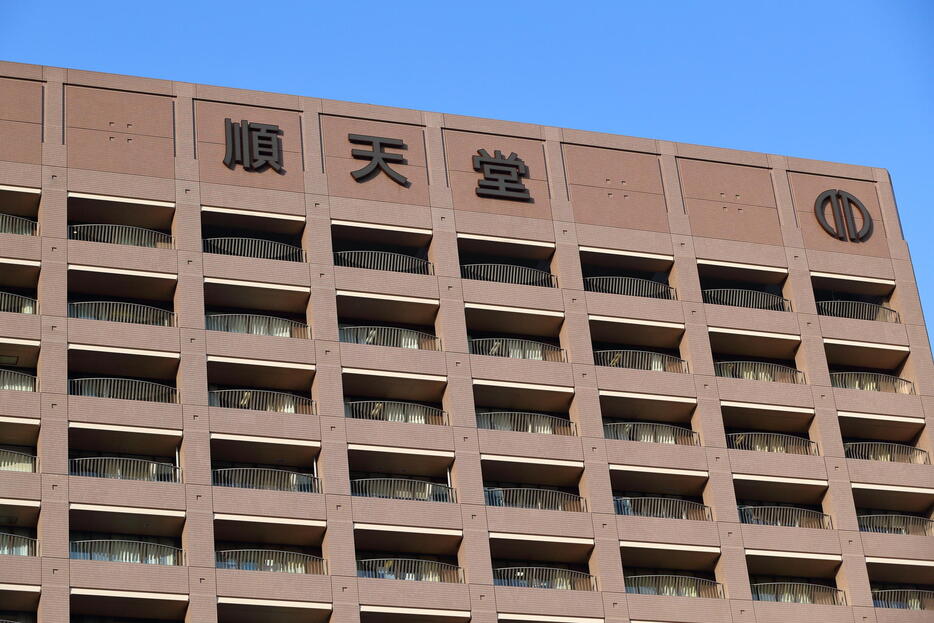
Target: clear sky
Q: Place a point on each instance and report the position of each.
(842, 80)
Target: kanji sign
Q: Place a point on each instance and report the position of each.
(502, 176)
(255, 146)
(379, 158)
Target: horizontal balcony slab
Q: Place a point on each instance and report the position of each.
(133, 493)
(255, 269)
(20, 485)
(21, 247)
(417, 513)
(662, 530)
(265, 423)
(398, 434)
(663, 455)
(887, 403)
(273, 585)
(888, 473)
(522, 370)
(554, 523)
(126, 257)
(529, 297)
(783, 539)
(123, 334)
(412, 594)
(907, 546)
(124, 412)
(549, 602)
(260, 347)
(385, 282)
(20, 570)
(668, 608)
(265, 503)
(645, 381)
(640, 307)
(409, 360)
(776, 464)
(21, 326)
(896, 615)
(751, 319)
(870, 331)
(743, 390)
(774, 612)
(531, 445)
(125, 576)
(20, 404)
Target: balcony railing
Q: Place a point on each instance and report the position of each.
(673, 585)
(261, 400)
(11, 461)
(754, 299)
(798, 593)
(254, 247)
(123, 389)
(516, 348)
(904, 598)
(402, 489)
(509, 273)
(16, 545)
(758, 371)
(383, 260)
(116, 311)
(885, 451)
(523, 422)
(121, 234)
(640, 360)
(857, 310)
(276, 561)
(771, 442)
(630, 286)
(11, 380)
(544, 577)
(127, 551)
(18, 304)
(651, 432)
(787, 516)
(544, 499)
(896, 524)
(390, 336)
(265, 478)
(394, 411)
(664, 508)
(872, 382)
(18, 225)
(124, 469)
(256, 324)
(409, 569)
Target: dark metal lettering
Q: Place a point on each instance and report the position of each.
(502, 176)
(255, 146)
(378, 157)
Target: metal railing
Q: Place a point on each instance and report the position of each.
(261, 400)
(18, 225)
(787, 516)
(118, 550)
(390, 336)
(758, 371)
(256, 324)
(735, 297)
(872, 381)
(402, 489)
(516, 348)
(18, 304)
(885, 451)
(896, 524)
(276, 561)
(11, 461)
(524, 422)
(771, 442)
(124, 469)
(11, 380)
(394, 411)
(383, 260)
(858, 310)
(267, 478)
(123, 389)
(674, 586)
(254, 247)
(665, 508)
(903, 598)
(651, 432)
(121, 234)
(798, 593)
(509, 273)
(640, 360)
(544, 577)
(630, 286)
(17, 545)
(409, 569)
(543, 499)
(116, 311)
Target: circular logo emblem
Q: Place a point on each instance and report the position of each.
(843, 206)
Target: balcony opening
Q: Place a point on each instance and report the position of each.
(853, 297)
(497, 331)
(533, 484)
(884, 438)
(795, 579)
(756, 355)
(263, 463)
(769, 428)
(18, 361)
(100, 372)
(901, 586)
(256, 385)
(645, 492)
(234, 610)
(391, 614)
(18, 529)
(743, 285)
(394, 397)
(118, 220)
(627, 273)
(687, 572)
(17, 616)
(19, 210)
(637, 344)
(541, 563)
(388, 553)
(90, 606)
(893, 511)
(121, 296)
(244, 545)
(128, 536)
(18, 439)
(19, 282)
(525, 409)
(97, 451)
(391, 473)
(765, 501)
(383, 320)
(869, 367)
(246, 233)
(518, 262)
(239, 307)
(647, 418)
(381, 247)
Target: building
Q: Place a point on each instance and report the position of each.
(276, 358)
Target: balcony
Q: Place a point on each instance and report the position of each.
(394, 411)
(673, 585)
(896, 524)
(117, 311)
(402, 489)
(758, 371)
(872, 382)
(261, 400)
(266, 478)
(904, 599)
(127, 551)
(254, 247)
(798, 593)
(124, 469)
(651, 432)
(525, 422)
(16, 545)
(11, 380)
(640, 360)
(857, 310)
(771, 442)
(630, 286)
(18, 225)
(753, 299)
(390, 336)
(515, 348)
(786, 516)
(509, 273)
(256, 324)
(383, 260)
(409, 569)
(542, 499)
(122, 389)
(121, 234)
(18, 304)
(276, 561)
(664, 508)
(544, 577)
(885, 451)
(11, 461)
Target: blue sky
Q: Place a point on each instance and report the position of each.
(848, 81)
